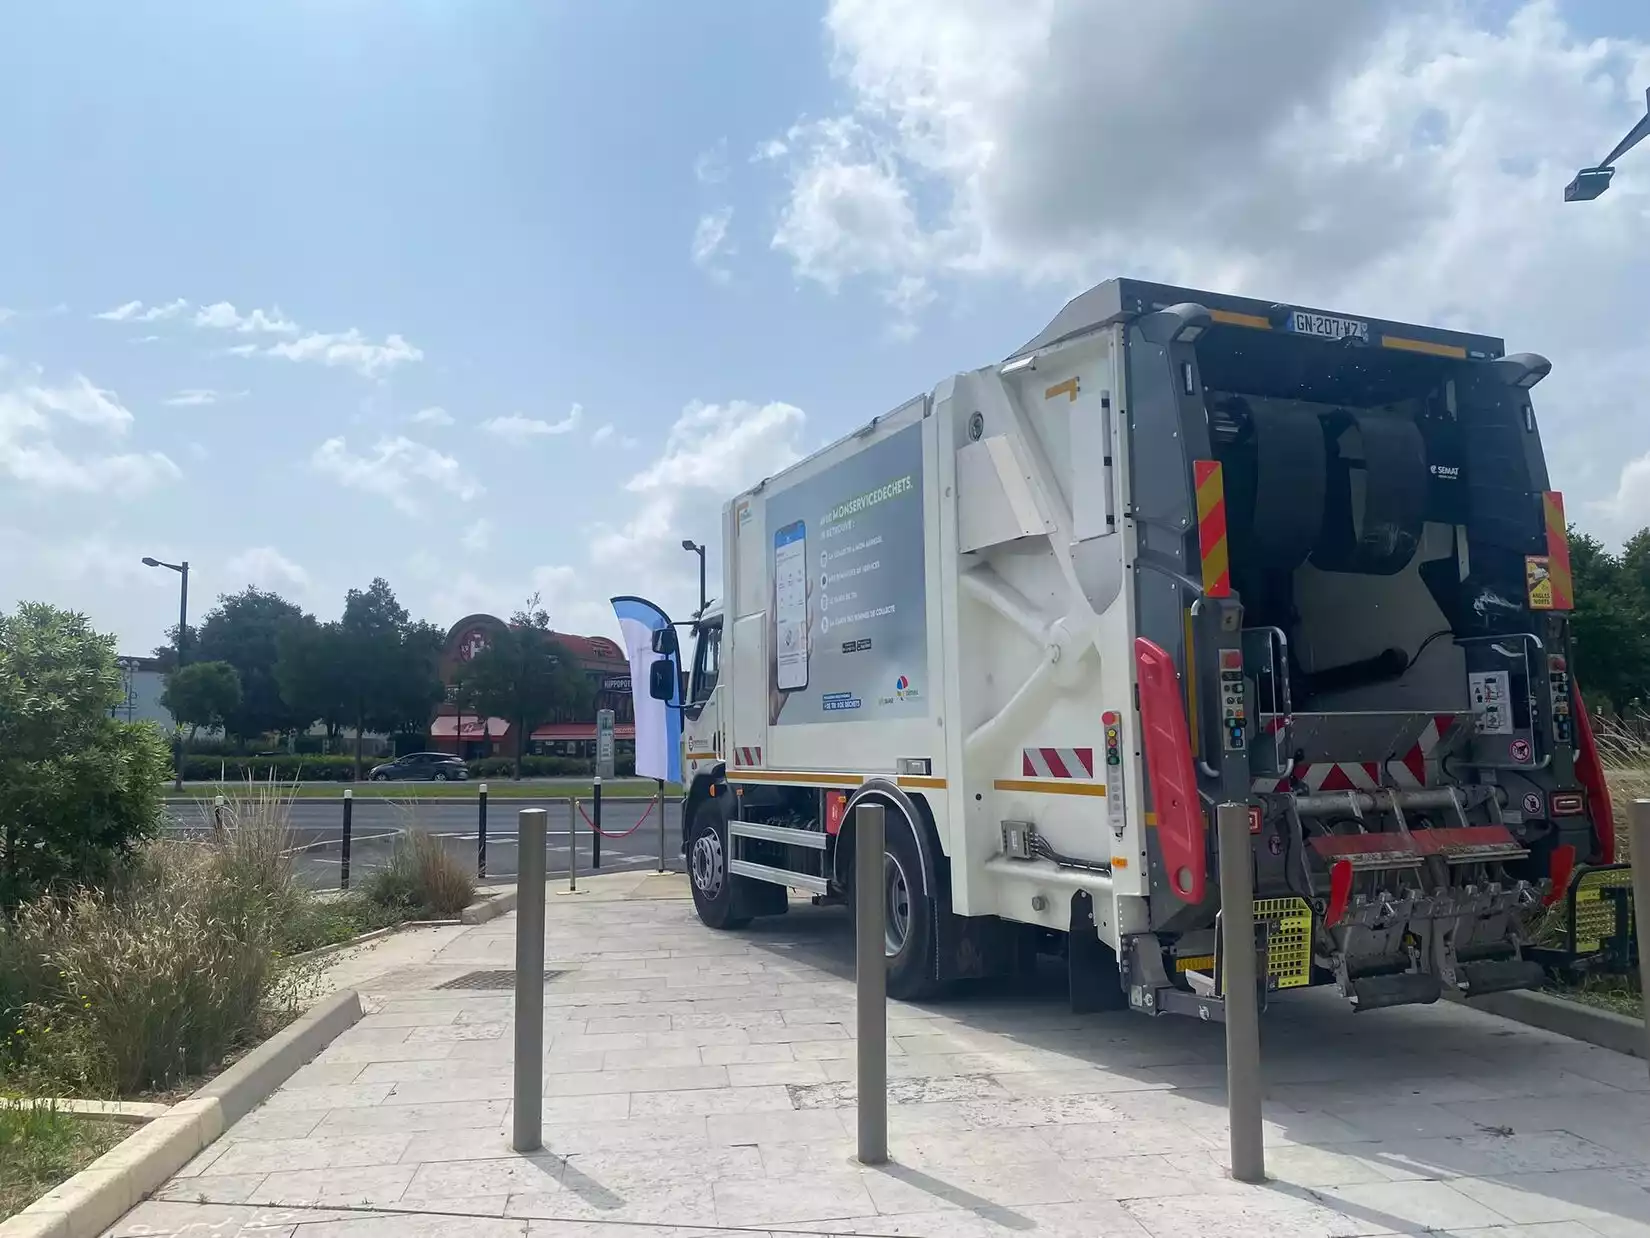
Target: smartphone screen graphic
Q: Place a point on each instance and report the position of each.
(790, 577)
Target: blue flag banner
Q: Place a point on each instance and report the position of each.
(658, 723)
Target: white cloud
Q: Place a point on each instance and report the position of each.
(432, 416)
(711, 244)
(711, 167)
(1628, 509)
(711, 453)
(478, 536)
(265, 567)
(1403, 161)
(397, 469)
(134, 311)
(517, 428)
(194, 396)
(223, 316)
(348, 348)
(31, 415)
(609, 433)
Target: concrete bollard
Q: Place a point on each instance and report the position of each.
(871, 981)
(527, 1132)
(1638, 834)
(1238, 972)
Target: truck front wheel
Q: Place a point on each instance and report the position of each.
(707, 865)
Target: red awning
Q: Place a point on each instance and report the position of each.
(446, 726)
(582, 730)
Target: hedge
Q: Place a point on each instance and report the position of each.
(197, 768)
(548, 767)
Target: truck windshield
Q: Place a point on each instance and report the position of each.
(1380, 507)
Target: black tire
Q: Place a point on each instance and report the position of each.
(441, 777)
(707, 865)
(909, 907)
(380, 777)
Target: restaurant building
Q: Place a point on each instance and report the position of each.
(473, 737)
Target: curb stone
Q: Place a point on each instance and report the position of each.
(1596, 1026)
(99, 1195)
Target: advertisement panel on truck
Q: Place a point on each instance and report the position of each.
(847, 616)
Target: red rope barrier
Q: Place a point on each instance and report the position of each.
(606, 834)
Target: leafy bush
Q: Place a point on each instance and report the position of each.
(532, 767)
(263, 769)
(422, 880)
(78, 790)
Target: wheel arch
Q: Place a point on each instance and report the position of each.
(700, 790)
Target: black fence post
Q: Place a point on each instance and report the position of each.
(343, 861)
(481, 835)
(596, 825)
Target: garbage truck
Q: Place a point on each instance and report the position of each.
(1182, 549)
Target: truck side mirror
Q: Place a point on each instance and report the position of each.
(661, 680)
(664, 642)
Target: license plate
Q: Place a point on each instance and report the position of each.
(1327, 326)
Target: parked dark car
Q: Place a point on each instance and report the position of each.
(422, 767)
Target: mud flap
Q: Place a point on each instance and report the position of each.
(1093, 981)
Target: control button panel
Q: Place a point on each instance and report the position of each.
(1232, 721)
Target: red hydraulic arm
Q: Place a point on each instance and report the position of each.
(1180, 824)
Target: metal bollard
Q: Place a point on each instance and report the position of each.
(1238, 979)
(659, 806)
(527, 1134)
(1638, 834)
(573, 845)
(596, 825)
(343, 860)
(481, 835)
(871, 981)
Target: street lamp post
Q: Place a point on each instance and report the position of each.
(690, 545)
(182, 569)
(1591, 182)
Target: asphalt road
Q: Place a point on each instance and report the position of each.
(376, 825)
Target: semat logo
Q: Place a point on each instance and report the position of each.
(1449, 472)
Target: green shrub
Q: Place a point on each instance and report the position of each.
(533, 767)
(422, 880)
(78, 790)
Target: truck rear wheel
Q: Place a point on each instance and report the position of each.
(908, 913)
(707, 865)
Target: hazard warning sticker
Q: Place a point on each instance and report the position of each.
(1538, 581)
(1532, 804)
(1519, 750)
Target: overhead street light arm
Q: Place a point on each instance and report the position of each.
(1639, 132)
(1589, 183)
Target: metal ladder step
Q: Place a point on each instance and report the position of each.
(778, 876)
(761, 831)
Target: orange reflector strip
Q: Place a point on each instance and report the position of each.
(1425, 346)
(1558, 551)
(1211, 528)
(1232, 318)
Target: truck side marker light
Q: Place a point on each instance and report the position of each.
(1560, 867)
(1340, 892)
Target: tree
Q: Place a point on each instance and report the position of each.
(525, 676)
(373, 669)
(78, 789)
(244, 630)
(167, 654)
(1611, 623)
(202, 694)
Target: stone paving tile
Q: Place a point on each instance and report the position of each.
(1564, 1195)
(314, 1152)
(360, 1187)
(157, 1217)
(822, 1195)
(339, 1096)
(403, 1225)
(443, 1116)
(213, 1188)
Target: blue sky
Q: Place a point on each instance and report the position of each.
(334, 214)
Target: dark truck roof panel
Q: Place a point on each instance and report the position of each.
(1117, 299)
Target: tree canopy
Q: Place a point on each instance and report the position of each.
(202, 694)
(244, 630)
(1611, 624)
(524, 676)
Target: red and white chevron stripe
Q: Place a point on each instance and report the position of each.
(747, 756)
(1408, 771)
(1057, 762)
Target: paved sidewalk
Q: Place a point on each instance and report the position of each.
(700, 1084)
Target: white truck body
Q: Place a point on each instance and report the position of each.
(954, 611)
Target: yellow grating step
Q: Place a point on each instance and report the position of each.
(1288, 941)
(1595, 914)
